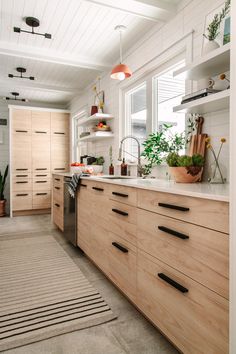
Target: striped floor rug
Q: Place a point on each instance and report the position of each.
(43, 293)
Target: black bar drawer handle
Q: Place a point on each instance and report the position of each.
(21, 169)
(41, 182)
(21, 131)
(120, 194)
(21, 175)
(40, 132)
(83, 185)
(57, 205)
(57, 188)
(21, 182)
(41, 175)
(41, 169)
(121, 248)
(59, 169)
(173, 232)
(175, 207)
(98, 189)
(117, 211)
(57, 179)
(173, 283)
(22, 195)
(41, 193)
(60, 133)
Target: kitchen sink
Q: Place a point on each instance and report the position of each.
(118, 177)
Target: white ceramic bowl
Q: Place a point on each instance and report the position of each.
(77, 169)
(96, 168)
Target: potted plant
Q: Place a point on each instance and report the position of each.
(185, 168)
(2, 189)
(97, 166)
(213, 29)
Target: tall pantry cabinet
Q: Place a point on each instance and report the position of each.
(39, 147)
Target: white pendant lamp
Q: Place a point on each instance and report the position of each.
(120, 71)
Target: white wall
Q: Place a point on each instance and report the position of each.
(144, 56)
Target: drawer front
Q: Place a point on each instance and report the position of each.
(21, 201)
(58, 193)
(123, 220)
(21, 122)
(200, 253)
(196, 321)
(122, 265)
(58, 215)
(84, 193)
(41, 184)
(58, 180)
(41, 122)
(211, 214)
(99, 189)
(42, 200)
(22, 184)
(122, 194)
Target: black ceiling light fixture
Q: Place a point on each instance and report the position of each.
(21, 71)
(32, 22)
(15, 95)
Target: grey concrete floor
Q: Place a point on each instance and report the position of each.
(130, 333)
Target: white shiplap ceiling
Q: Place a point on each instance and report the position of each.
(83, 43)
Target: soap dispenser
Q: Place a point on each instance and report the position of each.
(123, 168)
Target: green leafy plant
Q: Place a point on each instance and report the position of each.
(176, 160)
(3, 182)
(214, 26)
(99, 161)
(158, 145)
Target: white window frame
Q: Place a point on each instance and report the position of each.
(75, 138)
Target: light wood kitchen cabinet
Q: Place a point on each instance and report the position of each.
(58, 201)
(39, 146)
(172, 263)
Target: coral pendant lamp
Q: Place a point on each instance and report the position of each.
(120, 71)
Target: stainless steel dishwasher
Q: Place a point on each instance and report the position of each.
(70, 224)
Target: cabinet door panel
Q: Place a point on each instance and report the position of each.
(21, 153)
(60, 124)
(41, 159)
(21, 121)
(21, 201)
(41, 122)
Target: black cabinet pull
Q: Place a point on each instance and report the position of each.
(117, 211)
(57, 179)
(41, 193)
(21, 169)
(83, 185)
(173, 283)
(41, 175)
(59, 169)
(98, 189)
(41, 169)
(121, 248)
(120, 194)
(21, 182)
(60, 133)
(57, 188)
(41, 182)
(175, 207)
(173, 232)
(57, 205)
(21, 131)
(40, 132)
(21, 175)
(21, 195)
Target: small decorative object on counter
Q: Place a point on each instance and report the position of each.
(123, 168)
(111, 167)
(185, 168)
(223, 77)
(2, 189)
(216, 175)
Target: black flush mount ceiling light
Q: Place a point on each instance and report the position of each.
(32, 22)
(15, 95)
(21, 71)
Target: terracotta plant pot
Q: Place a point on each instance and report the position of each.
(3, 207)
(190, 174)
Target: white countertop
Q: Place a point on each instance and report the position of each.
(203, 190)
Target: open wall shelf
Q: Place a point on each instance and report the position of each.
(94, 118)
(96, 136)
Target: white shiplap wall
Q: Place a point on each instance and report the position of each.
(139, 57)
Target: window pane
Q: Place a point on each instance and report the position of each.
(169, 91)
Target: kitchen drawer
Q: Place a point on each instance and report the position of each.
(41, 184)
(41, 199)
(122, 265)
(122, 220)
(19, 176)
(19, 185)
(196, 320)
(21, 122)
(41, 175)
(99, 189)
(83, 192)
(58, 179)
(58, 214)
(200, 253)
(211, 214)
(123, 194)
(21, 201)
(41, 122)
(58, 192)
(60, 123)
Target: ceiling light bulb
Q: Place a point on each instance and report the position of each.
(120, 76)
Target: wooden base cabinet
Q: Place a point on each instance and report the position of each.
(58, 201)
(175, 271)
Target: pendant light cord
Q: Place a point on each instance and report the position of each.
(121, 47)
